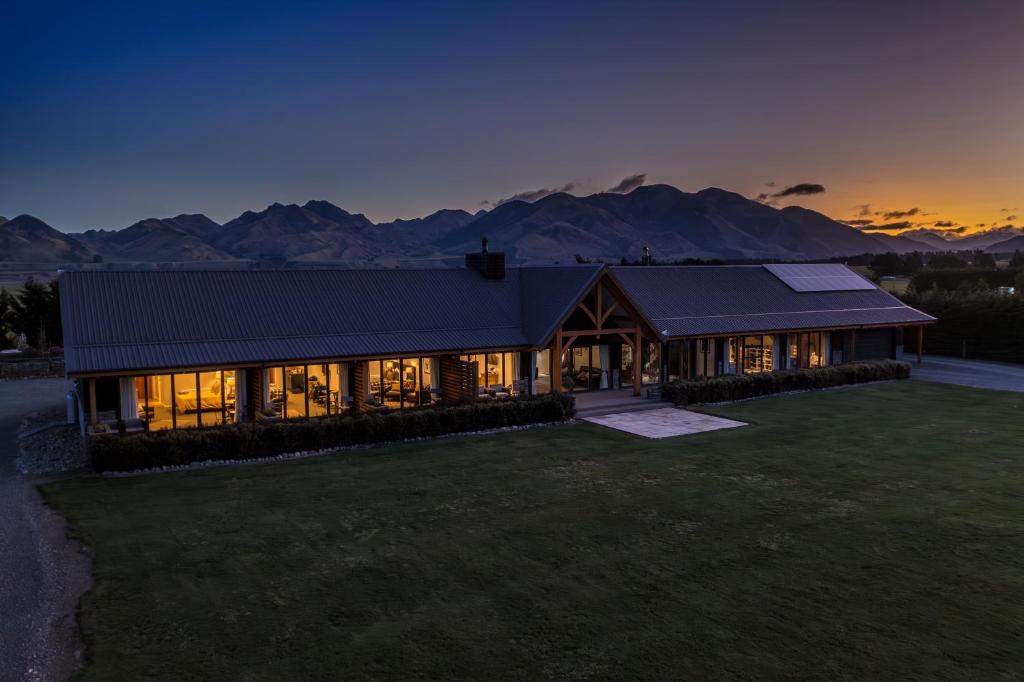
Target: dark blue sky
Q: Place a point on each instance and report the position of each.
(112, 113)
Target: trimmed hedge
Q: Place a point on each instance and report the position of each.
(987, 325)
(254, 440)
(727, 388)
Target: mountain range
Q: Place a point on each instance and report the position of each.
(711, 223)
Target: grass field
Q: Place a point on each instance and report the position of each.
(895, 286)
(873, 531)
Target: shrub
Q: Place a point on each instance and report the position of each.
(265, 439)
(727, 388)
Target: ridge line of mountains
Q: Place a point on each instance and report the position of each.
(711, 223)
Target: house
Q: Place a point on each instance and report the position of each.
(169, 349)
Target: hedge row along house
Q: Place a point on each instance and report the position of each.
(172, 349)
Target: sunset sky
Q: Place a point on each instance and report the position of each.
(116, 113)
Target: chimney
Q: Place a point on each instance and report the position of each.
(490, 265)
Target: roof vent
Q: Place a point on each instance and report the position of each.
(490, 265)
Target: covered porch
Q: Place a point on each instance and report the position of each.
(603, 343)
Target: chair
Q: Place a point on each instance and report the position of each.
(394, 393)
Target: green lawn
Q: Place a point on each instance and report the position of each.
(896, 286)
(856, 533)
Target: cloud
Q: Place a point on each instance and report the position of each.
(627, 184)
(801, 189)
(944, 223)
(858, 222)
(762, 197)
(1011, 217)
(770, 183)
(536, 194)
(979, 225)
(905, 225)
(863, 209)
(894, 215)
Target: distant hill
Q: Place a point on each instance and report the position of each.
(1007, 246)
(712, 223)
(434, 226)
(316, 231)
(932, 239)
(182, 238)
(26, 239)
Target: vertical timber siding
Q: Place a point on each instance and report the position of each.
(458, 379)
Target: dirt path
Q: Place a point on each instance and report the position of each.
(42, 574)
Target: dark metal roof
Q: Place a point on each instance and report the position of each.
(704, 300)
(124, 321)
(134, 320)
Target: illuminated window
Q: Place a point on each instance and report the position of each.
(651, 370)
(758, 354)
(542, 375)
(400, 382)
(496, 373)
(807, 350)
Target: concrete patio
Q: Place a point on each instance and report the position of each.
(665, 422)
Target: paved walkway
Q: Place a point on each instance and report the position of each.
(975, 373)
(664, 422)
(42, 573)
(597, 403)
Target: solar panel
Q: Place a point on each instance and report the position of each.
(805, 277)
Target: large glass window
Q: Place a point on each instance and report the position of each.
(758, 354)
(807, 350)
(626, 366)
(156, 401)
(400, 382)
(211, 398)
(294, 391)
(705, 358)
(426, 381)
(392, 383)
(325, 388)
(140, 399)
(678, 360)
(586, 368)
(496, 373)
(316, 390)
(275, 389)
(651, 370)
(542, 372)
(186, 400)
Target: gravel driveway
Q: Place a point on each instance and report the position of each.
(42, 573)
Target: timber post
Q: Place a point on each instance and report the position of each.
(637, 361)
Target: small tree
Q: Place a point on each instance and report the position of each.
(946, 260)
(983, 260)
(6, 333)
(35, 312)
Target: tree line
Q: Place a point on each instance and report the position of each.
(34, 312)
